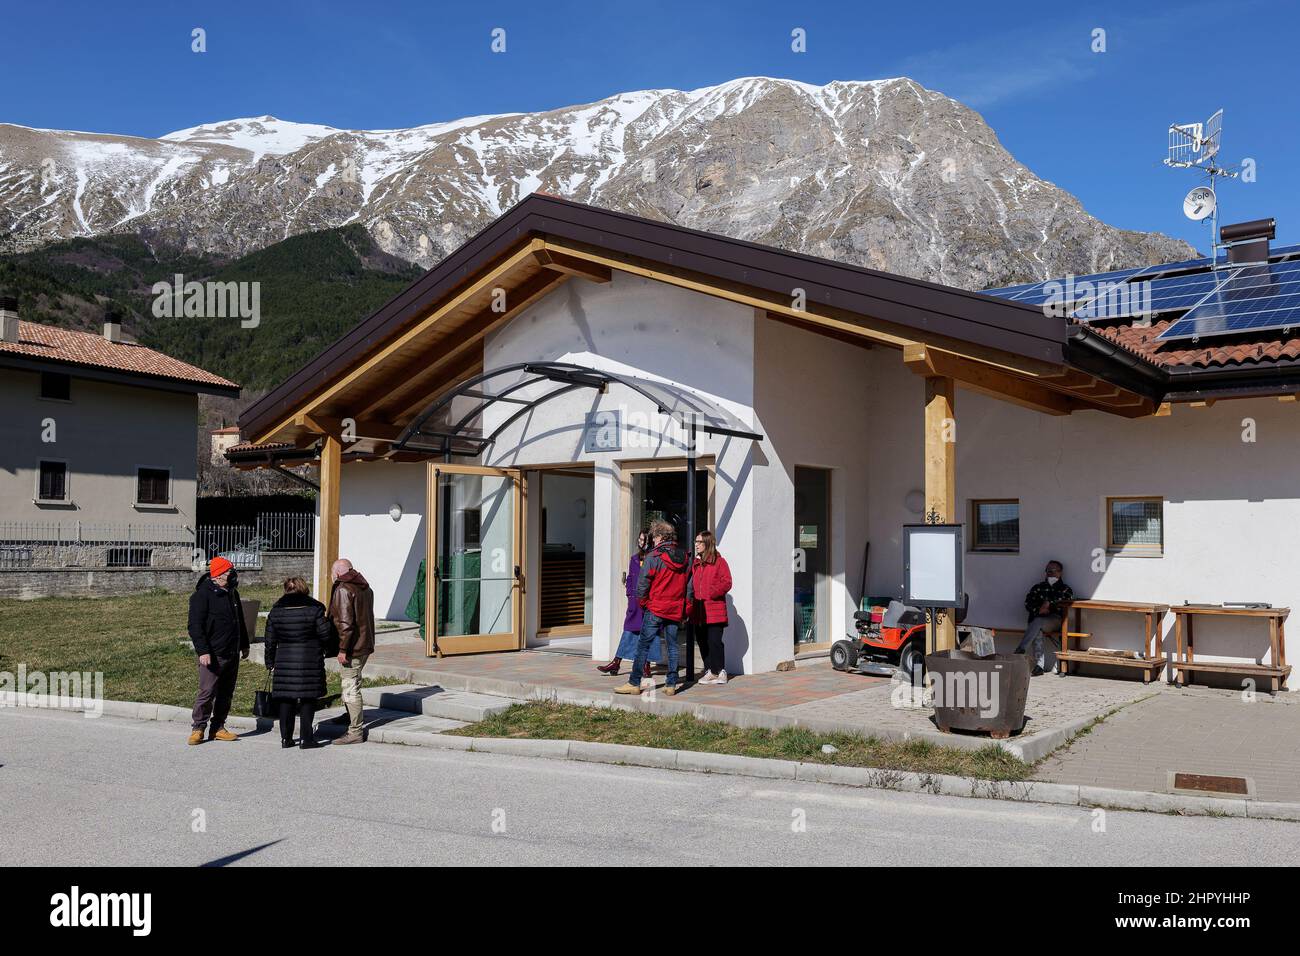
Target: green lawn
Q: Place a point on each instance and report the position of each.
(683, 732)
(138, 641)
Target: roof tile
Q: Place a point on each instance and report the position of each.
(86, 348)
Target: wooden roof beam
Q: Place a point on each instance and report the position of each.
(930, 362)
(469, 293)
(571, 265)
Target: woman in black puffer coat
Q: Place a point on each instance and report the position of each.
(297, 633)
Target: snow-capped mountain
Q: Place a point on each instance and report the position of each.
(882, 173)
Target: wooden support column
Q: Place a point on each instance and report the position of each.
(941, 474)
(327, 540)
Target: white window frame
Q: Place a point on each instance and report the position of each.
(169, 505)
(67, 483)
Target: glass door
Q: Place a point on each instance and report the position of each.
(473, 579)
(812, 542)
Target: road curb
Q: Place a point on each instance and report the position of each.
(692, 761)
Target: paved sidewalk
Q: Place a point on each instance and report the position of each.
(1194, 730)
(813, 695)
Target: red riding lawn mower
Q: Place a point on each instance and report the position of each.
(891, 639)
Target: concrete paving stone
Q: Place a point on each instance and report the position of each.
(732, 763)
(622, 753)
(435, 701)
(1160, 802)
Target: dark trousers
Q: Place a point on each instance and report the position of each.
(216, 689)
(306, 707)
(708, 637)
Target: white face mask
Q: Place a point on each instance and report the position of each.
(1052, 580)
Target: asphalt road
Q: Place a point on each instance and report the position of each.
(78, 791)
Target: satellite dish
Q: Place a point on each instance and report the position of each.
(1199, 203)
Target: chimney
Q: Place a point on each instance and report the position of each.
(112, 325)
(1248, 241)
(8, 318)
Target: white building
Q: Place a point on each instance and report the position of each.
(528, 393)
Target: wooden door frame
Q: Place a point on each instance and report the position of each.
(472, 643)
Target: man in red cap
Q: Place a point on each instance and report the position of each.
(220, 640)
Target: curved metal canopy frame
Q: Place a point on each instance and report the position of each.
(438, 429)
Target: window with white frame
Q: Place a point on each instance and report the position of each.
(52, 482)
(995, 525)
(1135, 525)
(153, 486)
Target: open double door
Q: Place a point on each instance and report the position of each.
(473, 559)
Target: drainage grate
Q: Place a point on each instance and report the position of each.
(1208, 783)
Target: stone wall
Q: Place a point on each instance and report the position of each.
(27, 584)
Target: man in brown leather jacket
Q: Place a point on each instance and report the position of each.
(352, 608)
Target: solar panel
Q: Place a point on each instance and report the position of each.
(1253, 298)
(1139, 296)
(1037, 293)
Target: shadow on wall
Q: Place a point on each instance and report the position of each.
(396, 610)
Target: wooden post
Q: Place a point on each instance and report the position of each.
(327, 541)
(941, 474)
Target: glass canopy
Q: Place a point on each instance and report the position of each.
(453, 424)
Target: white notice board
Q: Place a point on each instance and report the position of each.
(932, 565)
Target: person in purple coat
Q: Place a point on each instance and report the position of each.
(632, 619)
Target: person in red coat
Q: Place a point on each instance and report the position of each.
(710, 582)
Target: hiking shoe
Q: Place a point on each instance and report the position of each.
(223, 734)
(627, 689)
(196, 737)
(670, 689)
(351, 737)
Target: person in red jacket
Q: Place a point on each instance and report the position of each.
(661, 591)
(710, 582)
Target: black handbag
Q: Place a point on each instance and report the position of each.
(263, 702)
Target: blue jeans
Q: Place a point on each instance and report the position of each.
(650, 626)
(627, 648)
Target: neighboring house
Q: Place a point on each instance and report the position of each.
(518, 415)
(222, 439)
(97, 443)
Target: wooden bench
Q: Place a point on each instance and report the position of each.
(1149, 666)
(1186, 666)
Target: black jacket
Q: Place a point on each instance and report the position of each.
(297, 630)
(217, 619)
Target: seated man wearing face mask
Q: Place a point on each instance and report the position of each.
(1046, 603)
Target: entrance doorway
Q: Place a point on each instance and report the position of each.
(655, 492)
(472, 560)
(566, 536)
(812, 542)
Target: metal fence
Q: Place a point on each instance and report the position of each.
(75, 544)
(244, 544)
(79, 544)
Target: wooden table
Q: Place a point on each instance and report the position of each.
(1185, 661)
(1152, 615)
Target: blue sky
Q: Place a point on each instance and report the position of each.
(1091, 122)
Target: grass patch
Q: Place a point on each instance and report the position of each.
(138, 641)
(549, 721)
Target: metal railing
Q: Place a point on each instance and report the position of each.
(244, 544)
(42, 545)
(83, 544)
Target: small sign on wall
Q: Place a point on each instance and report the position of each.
(604, 432)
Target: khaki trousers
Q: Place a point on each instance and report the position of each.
(351, 695)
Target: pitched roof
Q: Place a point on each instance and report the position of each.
(1259, 350)
(906, 303)
(45, 343)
